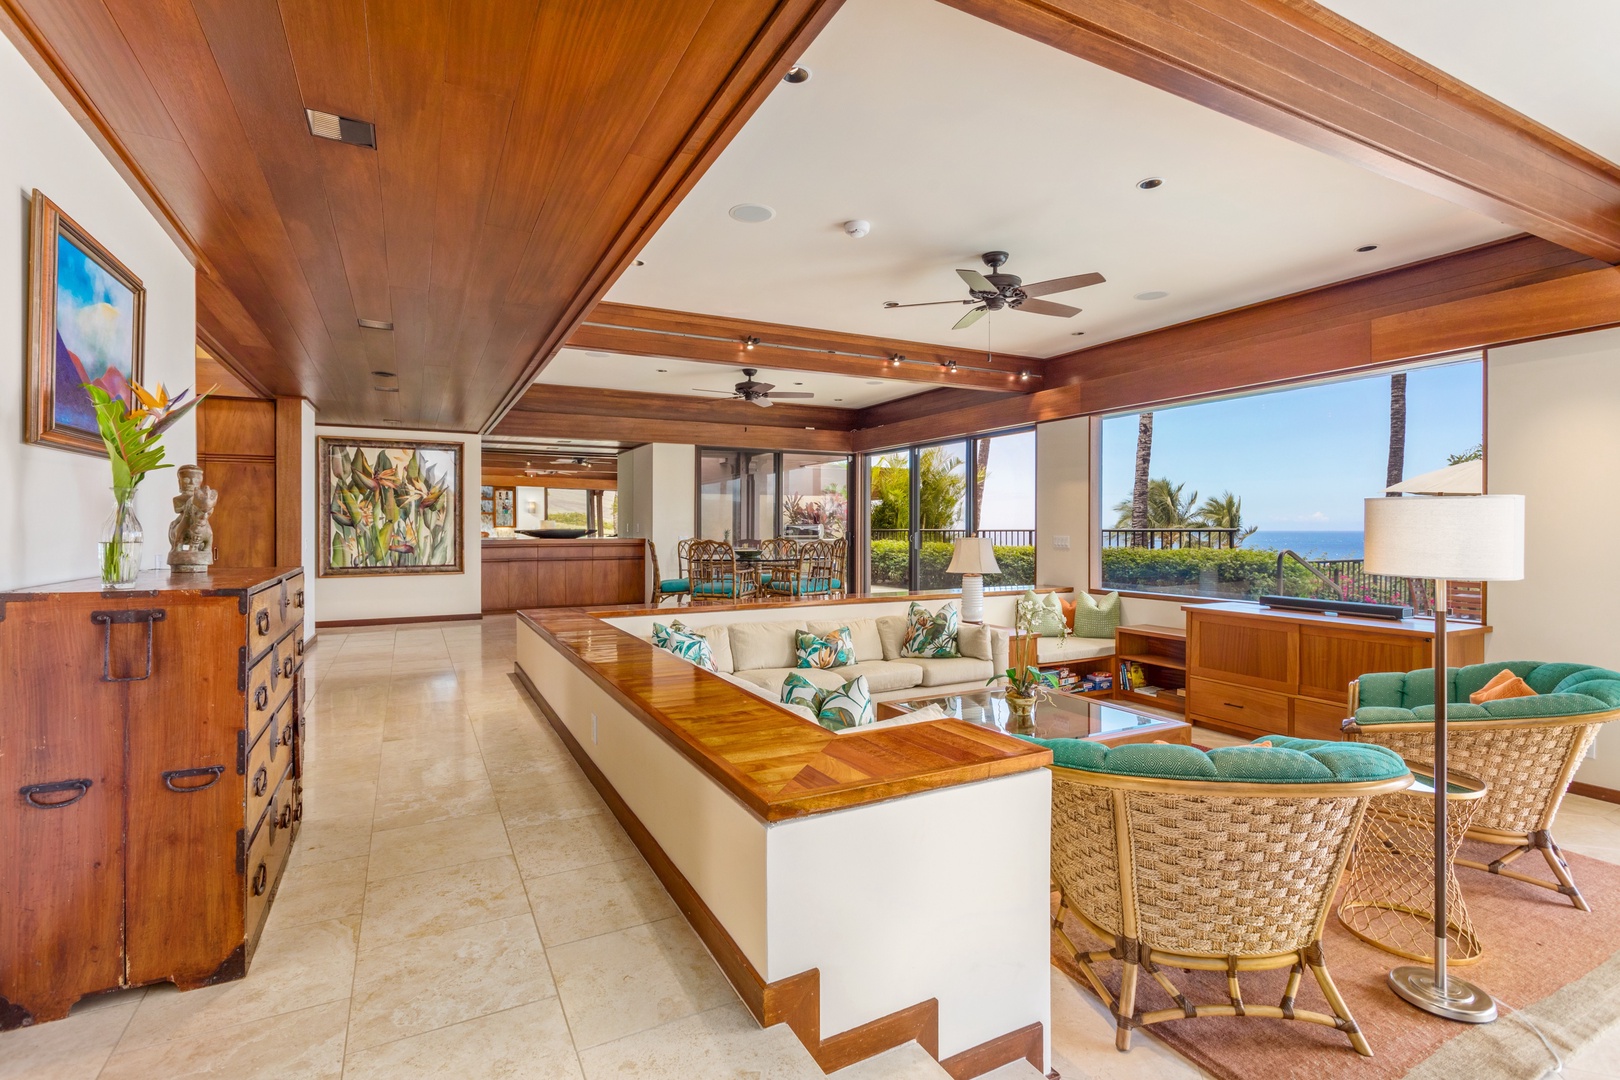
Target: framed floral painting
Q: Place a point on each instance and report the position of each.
(86, 324)
(389, 507)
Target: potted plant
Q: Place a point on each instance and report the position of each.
(1021, 687)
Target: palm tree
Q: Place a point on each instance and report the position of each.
(1167, 508)
(1225, 511)
(1139, 491)
(1395, 472)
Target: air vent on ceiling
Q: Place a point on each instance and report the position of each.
(341, 129)
(375, 324)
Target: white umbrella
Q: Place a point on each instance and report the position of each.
(1464, 478)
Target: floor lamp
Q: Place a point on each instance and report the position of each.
(973, 558)
(1447, 538)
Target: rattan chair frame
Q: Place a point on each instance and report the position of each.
(1501, 753)
(658, 593)
(1135, 947)
(714, 561)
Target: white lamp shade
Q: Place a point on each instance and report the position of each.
(973, 555)
(1455, 537)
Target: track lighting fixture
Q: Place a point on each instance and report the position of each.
(750, 341)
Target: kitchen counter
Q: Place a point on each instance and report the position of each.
(524, 572)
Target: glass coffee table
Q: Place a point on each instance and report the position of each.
(1057, 716)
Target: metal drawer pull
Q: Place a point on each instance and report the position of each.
(213, 772)
(299, 602)
(82, 787)
(275, 739)
(298, 647)
(261, 698)
(287, 666)
(1232, 705)
(298, 812)
(106, 619)
(261, 878)
(286, 735)
(261, 780)
(263, 619)
(286, 816)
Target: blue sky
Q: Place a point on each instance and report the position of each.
(1304, 458)
(95, 313)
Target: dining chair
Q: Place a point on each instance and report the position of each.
(817, 573)
(778, 550)
(662, 586)
(715, 575)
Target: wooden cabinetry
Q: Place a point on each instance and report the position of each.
(1161, 651)
(150, 748)
(528, 573)
(1261, 671)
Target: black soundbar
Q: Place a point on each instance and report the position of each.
(1338, 607)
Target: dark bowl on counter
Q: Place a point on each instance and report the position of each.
(555, 534)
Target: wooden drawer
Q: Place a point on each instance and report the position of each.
(1241, 706)
(1319, 719)
(270, 679)
(272, 610)
(267, 855)
(269, 758)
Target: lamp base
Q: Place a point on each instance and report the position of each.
(972, 598)
(1461, 1000)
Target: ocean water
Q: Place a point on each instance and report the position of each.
(1311, 545)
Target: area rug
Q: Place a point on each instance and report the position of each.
(1556, 966)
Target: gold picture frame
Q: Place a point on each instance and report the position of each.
(389, 507)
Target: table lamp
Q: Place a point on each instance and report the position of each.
(973, 557)
(1447, 538)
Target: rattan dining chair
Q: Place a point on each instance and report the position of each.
(715, 575)
(817, 573)
(666, 587)
(777, 550)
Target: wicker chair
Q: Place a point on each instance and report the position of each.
(714, 573)
(666, 587)
(1208, 862)
(777, 549)
(818, 573)
(1526, 749)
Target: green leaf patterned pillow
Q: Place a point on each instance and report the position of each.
(798, 690)
(661, 632)
(834, 650)
(693, 648)
(849, 706)
(930, 636)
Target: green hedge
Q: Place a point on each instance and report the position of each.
(890, 560)
(1230, 572)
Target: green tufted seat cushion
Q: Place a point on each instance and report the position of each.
(1562, 689)
(1285, 761)
(675, 585)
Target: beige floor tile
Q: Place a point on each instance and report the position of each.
(1083, 1042)
(467, 798)
(436, 844)
(307, 1044)
(617, 984)
(569, 844)
(722, 1044)
(526, 1043)
(1015, 1070)
(438, 900)
(72, 1049)
(407, 775)
(294, 968)
(550, 802)
(508, 774)
(337, 773)
(319, 891)
(435, 980)
(908, 1062)
(332, 840)
(597, 900)
(351, 803)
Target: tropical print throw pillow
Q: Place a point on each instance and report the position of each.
(798, 690)
(661, 632)
(834, 650)
(693, 648)
(849, 706)
(930, 636)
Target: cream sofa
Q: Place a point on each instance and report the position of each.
(1133, 611)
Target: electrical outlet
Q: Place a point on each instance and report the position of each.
(1061, 543)
(593, 729)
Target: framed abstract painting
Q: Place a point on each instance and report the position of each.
(86, 324)
(389, 507)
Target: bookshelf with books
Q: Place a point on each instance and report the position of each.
(1150, 666)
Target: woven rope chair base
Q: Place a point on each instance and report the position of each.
(1388, 898)
(1137, 959)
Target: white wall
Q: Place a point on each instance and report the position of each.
(309, 499)
(657, 496)
(1553, 436)
(55, 501)
(1062, 501)
(525, 495)
(341, 599)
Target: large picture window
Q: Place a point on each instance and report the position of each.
(1262, 494)
(759, 495)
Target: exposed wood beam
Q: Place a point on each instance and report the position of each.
(576, 483)
(1296, 69)
(1054, 404)
(591, 401)
(930, 403)
(714, 339)
(527, 423)
(1583, 302)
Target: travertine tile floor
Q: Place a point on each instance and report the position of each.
(461, 904)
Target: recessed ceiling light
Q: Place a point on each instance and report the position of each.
(384, 374)
(1367, 247)
(798, 384)
(663, 371)
(640, 263)
(1150, 183)
(838, 399)
(327, 125)
(375, 324)
(1156, 294)
(386, 389)
(797, 74)
(1079, 333)
(751, 213)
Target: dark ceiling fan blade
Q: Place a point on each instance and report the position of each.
(727, 393)
(1046, 307)
(792, 394)
(970, 318)
(762, 401)
(755, 387)
(976, 281)
(930, 303)
(1062, 284)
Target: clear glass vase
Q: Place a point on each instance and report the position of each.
(121, 538)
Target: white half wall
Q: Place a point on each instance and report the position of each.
(56, 500)
(1552, 436)
(341, 599)
(1063, 501)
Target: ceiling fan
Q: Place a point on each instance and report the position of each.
(577, 461)
(760, 393)
(995, 290)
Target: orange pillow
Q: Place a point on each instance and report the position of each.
(1068, 612)
(1505, 685)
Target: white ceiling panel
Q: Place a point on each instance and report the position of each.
(653, 375)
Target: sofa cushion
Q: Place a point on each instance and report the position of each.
(771, 679)
(1562, 689)
(883, 676)
(763, 645)
(693, 648)
(849, 706)
(1095, 616)
(1054, 650)
(892, 631)
(863, 632)
(944, 671)
(1286, 761)
(930, 634)
(1042, 614)
(973, 639)
(719, 639)
(830, 650)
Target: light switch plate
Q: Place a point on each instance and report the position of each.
(1061, 543)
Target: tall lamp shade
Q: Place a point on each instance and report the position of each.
(1447, 538)
(973, 557)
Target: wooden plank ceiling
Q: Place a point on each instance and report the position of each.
(524, 151)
